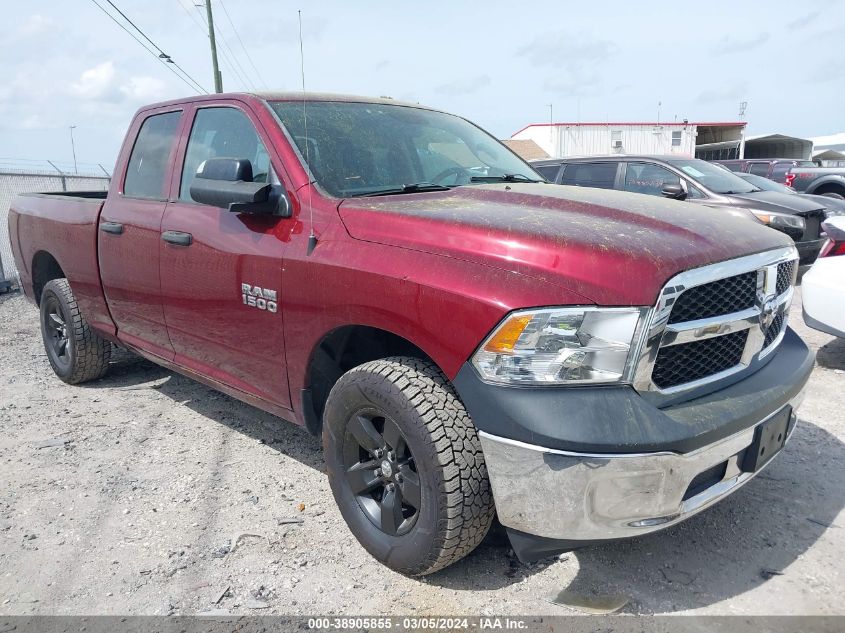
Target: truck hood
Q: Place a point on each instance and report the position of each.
(778, 202)
(611, 247)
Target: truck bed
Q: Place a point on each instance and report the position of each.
(64, 225)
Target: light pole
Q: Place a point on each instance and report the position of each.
(73, 149)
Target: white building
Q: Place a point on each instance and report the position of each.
(830, 150)
(706, 140)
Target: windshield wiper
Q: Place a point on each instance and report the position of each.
(504, 178)
(412, 188)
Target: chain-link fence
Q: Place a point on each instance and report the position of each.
(13, 182)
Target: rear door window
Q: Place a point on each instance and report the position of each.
(649, 178)
(600, 175)
(760, 169)
(779, 171)
(148, 161)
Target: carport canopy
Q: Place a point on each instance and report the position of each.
(778, 146)
(828, 154)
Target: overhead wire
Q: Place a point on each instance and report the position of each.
(187, 79)
(246, 52)
(193, 18)
(167, 58)
(225, 54)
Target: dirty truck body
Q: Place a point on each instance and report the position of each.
(468, 340)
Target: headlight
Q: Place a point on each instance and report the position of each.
(780, 220)
(553, 346)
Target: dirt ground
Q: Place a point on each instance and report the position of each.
(148, 493)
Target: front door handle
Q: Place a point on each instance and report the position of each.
(177, 237)
(115, 228)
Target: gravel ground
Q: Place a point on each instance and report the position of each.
(157, 495)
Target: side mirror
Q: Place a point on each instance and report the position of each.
(227, 182)
(674, 191)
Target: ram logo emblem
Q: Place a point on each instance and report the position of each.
(768, 312)
(258, 297)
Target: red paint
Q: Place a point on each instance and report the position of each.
(439, 269)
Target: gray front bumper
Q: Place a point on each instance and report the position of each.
(558, 494)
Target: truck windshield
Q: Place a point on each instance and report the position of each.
(716, 179)
(358, 149)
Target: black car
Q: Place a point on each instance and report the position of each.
(696, 181)
(833, 206)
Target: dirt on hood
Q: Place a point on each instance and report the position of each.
(613, 247)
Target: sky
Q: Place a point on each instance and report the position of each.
(500, 64)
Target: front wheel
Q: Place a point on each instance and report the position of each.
(405, 465)
(832, 194)
(76, 353)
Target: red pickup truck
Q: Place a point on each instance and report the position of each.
(468, 339)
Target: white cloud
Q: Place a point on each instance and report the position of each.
(95, 83)
(102, 84)
(565, 49)
(144, 89)
(464, 86)
(35, 25)
(33, 122)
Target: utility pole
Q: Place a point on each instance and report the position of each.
(73, 149)
(218, 78)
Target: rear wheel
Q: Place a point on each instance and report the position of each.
(76, 353)
(405, 465)
(833, 194)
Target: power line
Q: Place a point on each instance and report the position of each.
(226, 55)
(167, 58)
(151, 52)
(231, 54)
(193, 18)
(206, 33)
(246, 52)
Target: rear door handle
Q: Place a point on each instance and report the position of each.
(177, 237)
(115, 228)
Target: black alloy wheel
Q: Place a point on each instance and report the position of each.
(405, 464)
(381, 472)
(76, 352)
(56, 332)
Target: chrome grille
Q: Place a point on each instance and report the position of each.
(714, 321)
(718, 297)
(786, 273)
(679, 364)
(773, 330)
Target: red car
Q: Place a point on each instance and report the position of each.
(467, 339)
(772, 168)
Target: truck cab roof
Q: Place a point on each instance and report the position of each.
(287, 96)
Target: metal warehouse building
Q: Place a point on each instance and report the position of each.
(705, 140)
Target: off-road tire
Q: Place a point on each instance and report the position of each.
(87, 354)
(456, 501)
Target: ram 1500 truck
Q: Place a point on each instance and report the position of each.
(467, 339)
